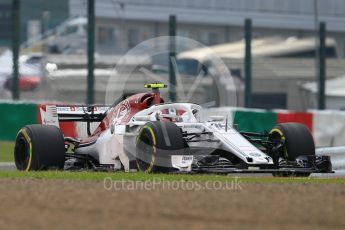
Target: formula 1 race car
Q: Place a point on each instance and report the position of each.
(143, 133)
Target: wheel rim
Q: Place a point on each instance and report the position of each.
(21, 154)
(277, 135)
(145, 150)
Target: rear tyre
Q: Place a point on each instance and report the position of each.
(156, 142)
(298, 141)
(39, 147)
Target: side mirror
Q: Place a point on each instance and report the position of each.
(142, 118)
(216, 118)
(204, 70)
(236, 127)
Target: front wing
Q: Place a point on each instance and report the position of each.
(214, 164)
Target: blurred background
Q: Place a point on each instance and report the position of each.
(285, 37)
(282, 55)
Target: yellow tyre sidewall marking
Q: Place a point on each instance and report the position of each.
(153, 158)
(282, 137)
(28, 139)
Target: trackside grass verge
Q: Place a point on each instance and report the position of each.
(6, 151)
(99, 176)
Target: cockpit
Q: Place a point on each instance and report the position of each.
(171, 112)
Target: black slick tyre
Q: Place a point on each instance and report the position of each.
(156, 142)
(298, 141)
(39, 147)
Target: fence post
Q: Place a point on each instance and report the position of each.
(90, 52)
(172, 58)
(15, 48)
(248, 63)
(322, 66)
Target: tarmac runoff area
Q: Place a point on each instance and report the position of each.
(8, 166)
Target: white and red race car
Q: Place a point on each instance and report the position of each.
(143, 133)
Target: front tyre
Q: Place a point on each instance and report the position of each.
(297, 140)
(156, 142)
(39, 147)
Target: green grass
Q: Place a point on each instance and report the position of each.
(99, 176)
(6, 155)
(6, 151)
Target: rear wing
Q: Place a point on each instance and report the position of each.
(53, 114)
